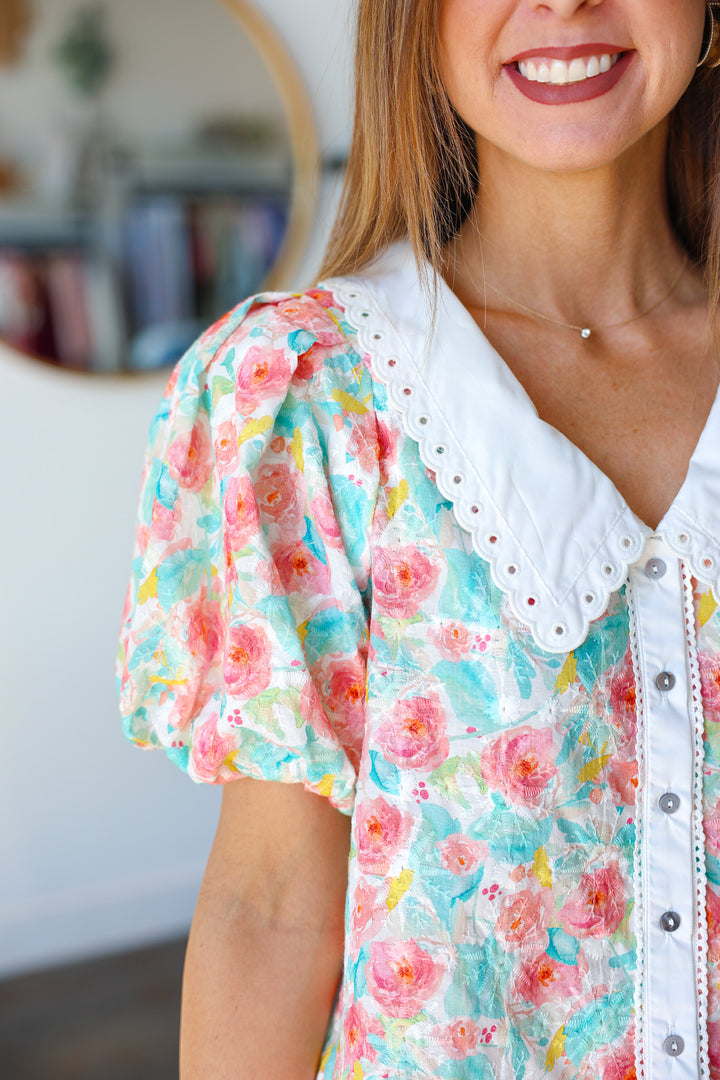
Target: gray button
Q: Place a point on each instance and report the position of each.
(665, 680)
(670, 920)
(655, 569)
(674, 1045)
(669, 802)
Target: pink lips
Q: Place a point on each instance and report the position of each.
(570, 93)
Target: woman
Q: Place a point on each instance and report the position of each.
(469, 601)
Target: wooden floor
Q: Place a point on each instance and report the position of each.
(110, 1019)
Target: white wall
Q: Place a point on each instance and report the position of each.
(101, 846)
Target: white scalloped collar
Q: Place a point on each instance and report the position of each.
(556, 532)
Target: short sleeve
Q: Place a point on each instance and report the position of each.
(244, 635)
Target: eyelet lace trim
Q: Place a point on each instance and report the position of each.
(557, 613)
(693, 544)
(639, 913)
(701, 948)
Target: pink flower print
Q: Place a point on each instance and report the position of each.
(542, 979)
(461, 1038)
(401, 976)
(246, 665)
(414, 735)
(204, 627)
(374, 445)
(623, 700)
(226, 447)
(461, 855)
(263, 373)
(278, 494)
(381, 831)
(189, 457)
(300, 571)
(368, 913)
(357, 1025)
(622, 776)
(616, 1064)
(521, 764)
(163, 521)
(713, 1030)
(451, 639)
(209, 749)
(710, 685)
(712, 829)
(323, 514)
(241, 512)
(597, 906)
(523, 921)
(712, 913)
(346, 701)
(402, 578)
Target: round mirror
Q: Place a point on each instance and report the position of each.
(158, 163)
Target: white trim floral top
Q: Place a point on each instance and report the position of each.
(364, 563)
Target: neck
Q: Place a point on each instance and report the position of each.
(591, 248)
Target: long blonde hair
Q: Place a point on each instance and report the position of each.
(412, 167)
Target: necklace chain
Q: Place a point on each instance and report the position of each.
(587, 331)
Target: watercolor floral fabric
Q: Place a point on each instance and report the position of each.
(304, 607)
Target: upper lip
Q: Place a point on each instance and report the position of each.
(567, 52)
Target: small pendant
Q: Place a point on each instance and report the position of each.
(585, 333)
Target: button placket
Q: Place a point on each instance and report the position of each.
(661, 662)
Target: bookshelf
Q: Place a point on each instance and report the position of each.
(162, 243)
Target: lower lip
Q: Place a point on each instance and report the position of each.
(570, 93)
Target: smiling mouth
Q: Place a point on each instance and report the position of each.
(562, 72)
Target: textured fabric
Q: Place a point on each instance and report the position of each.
(305, 606)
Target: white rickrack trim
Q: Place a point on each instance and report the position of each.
(698, 831)
(558, 613)
(639, 913)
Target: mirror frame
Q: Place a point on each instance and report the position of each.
(306, 164)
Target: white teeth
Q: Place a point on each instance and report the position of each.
(577, 71)
(593, 67)
(559, 73)
(562, 72)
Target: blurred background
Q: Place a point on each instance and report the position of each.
(159, 160)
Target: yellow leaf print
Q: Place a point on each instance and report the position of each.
(348, 402)
(567, 675)
(556, 1049)
(358, 1074)
(593, 768)
(398, 496)
(253, 428)
(296, 448)
(706, 607)
(326, 784)
(302, 630)
(541, 867)
(326, 1056)
(148, 589)
(398, 887)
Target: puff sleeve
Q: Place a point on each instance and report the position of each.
(244, 635)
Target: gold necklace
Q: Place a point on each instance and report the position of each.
(586, 331)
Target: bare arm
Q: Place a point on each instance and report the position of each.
(265, 950)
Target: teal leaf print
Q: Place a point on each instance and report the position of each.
(562, 946)
(444, 778)
(179, 575)
(599, 1023)
(471, 692)
(469, 594)
(301, 340)
(479, 984)
(513, 835)
(519, 1053)
(383, 774)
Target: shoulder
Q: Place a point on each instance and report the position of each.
(271, 346)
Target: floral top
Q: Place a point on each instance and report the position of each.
(365, 564)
